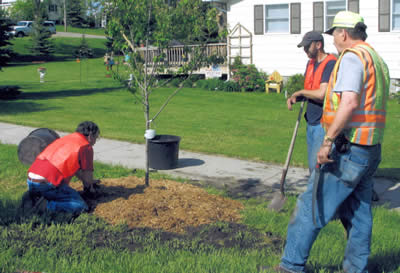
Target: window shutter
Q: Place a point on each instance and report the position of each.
(353, 5)
(318, 16)
(295, 18)
(258, 19)
(384, 15)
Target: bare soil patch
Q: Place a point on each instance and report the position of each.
(167, 205)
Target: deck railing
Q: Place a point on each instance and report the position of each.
(177, 55)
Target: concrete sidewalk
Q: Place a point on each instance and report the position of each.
(239, 177)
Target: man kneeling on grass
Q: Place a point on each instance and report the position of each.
(52, 170)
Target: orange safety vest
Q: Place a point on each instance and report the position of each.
(63, 153)
(313, 79)
(368, 120)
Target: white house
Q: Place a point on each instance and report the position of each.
(277, 26)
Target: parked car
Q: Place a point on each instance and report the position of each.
(24, 28)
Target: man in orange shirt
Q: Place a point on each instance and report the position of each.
(52, 170)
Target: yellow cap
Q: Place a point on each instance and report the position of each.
(345, 19)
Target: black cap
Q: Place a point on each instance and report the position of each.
(310, 37)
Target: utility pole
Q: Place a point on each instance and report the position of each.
(65, 16)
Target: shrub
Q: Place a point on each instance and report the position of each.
(247, 76)
(294, 83)
(9, 92)
(231, 86)
(396, 96)
(213, 84)
(202, 84)
(175, 82)
(188, 83)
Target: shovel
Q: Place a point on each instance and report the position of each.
(279, 198)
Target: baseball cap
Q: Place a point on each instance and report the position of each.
(345, 19)
(310, 37)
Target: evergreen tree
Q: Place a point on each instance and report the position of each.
(84, 51)
(75, 13)
(40, 36)
(5, 50)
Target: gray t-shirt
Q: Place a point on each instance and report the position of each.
(350, 75)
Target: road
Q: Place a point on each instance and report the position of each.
(76, 35)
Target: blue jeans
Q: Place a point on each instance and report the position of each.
(61, 198)
(346, 184)
(315, 137)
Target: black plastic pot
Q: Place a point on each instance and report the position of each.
(164, 152)
(32, 145)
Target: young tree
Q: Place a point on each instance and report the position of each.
(146, 28)
(5, 28)
(84, 51)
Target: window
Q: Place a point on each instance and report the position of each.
(53, 8)
(325, 11)
(277, 18)
(332, 8)
(389, 15)
(396, 15)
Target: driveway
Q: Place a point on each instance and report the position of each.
(76, 35)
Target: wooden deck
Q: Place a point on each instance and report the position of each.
(176, 56)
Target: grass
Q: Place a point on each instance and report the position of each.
(251, 126)
(64, 48)
(88, 244)
(91, 31)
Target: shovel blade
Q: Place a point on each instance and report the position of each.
(277, 202)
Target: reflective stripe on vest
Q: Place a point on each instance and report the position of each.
(367, 123)
(313, 79)
(63, 153)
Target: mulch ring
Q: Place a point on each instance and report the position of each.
(165, 204)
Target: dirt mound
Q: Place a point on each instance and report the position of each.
(165, 204)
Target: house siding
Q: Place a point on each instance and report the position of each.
(279, 51)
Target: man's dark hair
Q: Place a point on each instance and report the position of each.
(87, 128)
(358, 32)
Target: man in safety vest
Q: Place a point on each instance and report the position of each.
(355, 113)
(52, 170)
(317, 75)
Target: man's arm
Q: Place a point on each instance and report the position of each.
(317, 95)
(86, 176)
(348, 103)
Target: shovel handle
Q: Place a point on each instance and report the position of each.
(290, 152)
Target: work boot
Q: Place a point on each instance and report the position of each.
(40, 205)
(375, 196)
(27, 202)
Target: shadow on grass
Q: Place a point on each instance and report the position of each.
(16, 107)
(384, 262)
(388, 173)
(65, 93)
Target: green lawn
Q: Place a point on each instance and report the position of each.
(251, 126)
(247, 125)
(88, 244)
(92, 31)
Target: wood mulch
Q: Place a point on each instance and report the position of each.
(165, 204)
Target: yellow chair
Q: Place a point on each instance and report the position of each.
(275, 81)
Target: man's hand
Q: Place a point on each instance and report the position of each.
(290, 101)
(295, 97)
(323, 154)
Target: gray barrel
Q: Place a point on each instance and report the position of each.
(31, 146)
